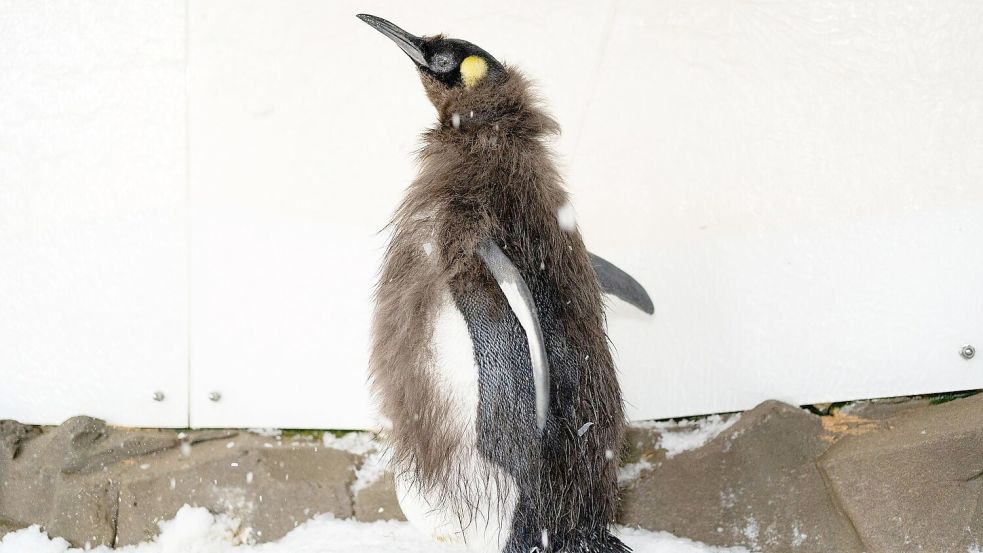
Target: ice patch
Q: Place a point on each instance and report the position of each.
(798, 537)
(632, 471)
(750, 531)
(728, 499)
(677, 437)
(375, 461)
(266, 432)
(358, 443)
(373, 468)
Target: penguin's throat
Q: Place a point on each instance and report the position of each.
(467, 118)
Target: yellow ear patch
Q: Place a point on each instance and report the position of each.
(473, 69)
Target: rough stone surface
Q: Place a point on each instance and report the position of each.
(113, 449)
(12, 433)
(756, 484)
(377, 501)
(880, 409)
(878, 476)
(84, 513)
(914, 483)
(270, 490)
(208, 435)
(7, 526)
(95, 485)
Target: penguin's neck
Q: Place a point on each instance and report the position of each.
(501, 107)
(490, 175)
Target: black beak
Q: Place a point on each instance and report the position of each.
(409, 43)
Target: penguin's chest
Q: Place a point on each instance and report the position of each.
(475, 503)
(453, 364)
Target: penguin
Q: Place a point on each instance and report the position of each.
(490, 358)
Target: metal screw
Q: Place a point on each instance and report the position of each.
(214, 396)
(967, 351)
(158, 396)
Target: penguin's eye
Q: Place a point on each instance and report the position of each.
(442, 62)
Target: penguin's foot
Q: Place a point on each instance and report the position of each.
(603, 543)
(598, 542)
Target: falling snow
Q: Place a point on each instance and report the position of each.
(566, 217)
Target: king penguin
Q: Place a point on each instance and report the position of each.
(489, 353)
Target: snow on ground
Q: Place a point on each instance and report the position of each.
(375, 460)
(195, 530)
(632, 471)
(358, 443)
(691, 436)
(676, 437)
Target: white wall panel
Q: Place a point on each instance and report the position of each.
(801, 187)
(93, 212)
(798, 185)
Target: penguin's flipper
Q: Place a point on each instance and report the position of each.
(520, 300)
(618, 283)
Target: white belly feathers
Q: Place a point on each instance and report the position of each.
(483, 518)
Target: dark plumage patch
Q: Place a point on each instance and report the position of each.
(486, 172)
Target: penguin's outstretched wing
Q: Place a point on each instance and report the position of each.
(520, 300)
(618, 283)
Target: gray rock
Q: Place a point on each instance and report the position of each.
(643, 442)
(85, 514)
(7, 525)
(96, 485)
(880, 409)
(209, 435)
(270, 490)
(377, 501)
(28, 482)
(116, 448)
(756, 485)
(81, 432)
(12, 434)
(914, 483)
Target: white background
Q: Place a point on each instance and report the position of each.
(191, 196)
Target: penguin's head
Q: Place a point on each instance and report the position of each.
(446, 65)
